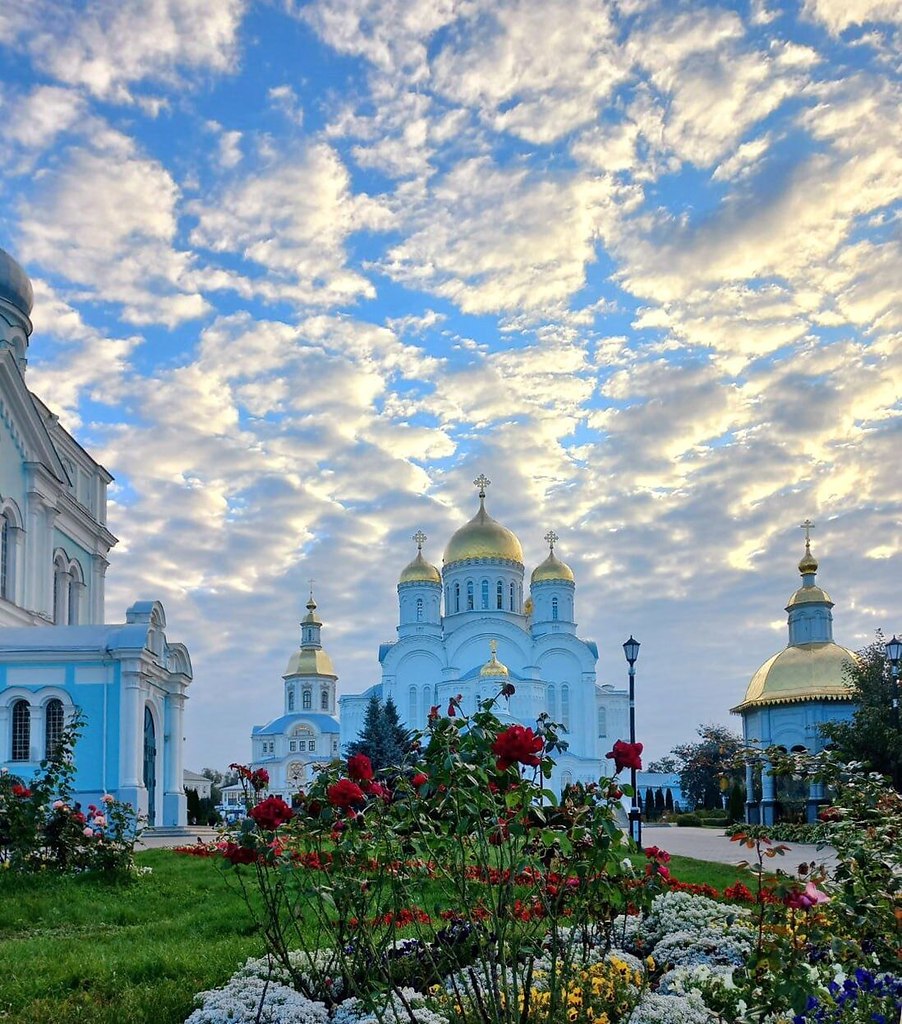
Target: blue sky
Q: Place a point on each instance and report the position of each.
(303, 270)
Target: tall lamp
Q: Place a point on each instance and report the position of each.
(894, 656)
(631, 650)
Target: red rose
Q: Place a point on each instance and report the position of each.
(626, 755)
(259, 779)
(344, 793)
(360, 768)
(271, 813)
(419, 780)
(20, 790)
(517, 745)
(378, 790)
(433, 713)
(235, 854)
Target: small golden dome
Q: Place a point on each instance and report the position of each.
(310, 662)
(493, 666)
(483, 537)
(800, 673)
(809, 595)
(420, 571)
(310, 618)
(552, 569)
(809, 562)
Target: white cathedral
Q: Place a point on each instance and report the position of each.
(467, 629)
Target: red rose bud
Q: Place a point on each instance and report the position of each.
(360, 768)
(419, 780)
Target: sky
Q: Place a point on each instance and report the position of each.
(303, 270)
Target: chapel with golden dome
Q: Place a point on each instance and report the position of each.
(797, 690)
(474, 625)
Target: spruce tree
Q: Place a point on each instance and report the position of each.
(649, 809)
(401, 738)
(668, 801)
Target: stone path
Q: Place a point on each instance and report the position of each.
(711, 844)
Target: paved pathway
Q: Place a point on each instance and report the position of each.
(711, 844)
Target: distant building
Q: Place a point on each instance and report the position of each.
(199, 783)
(791, 696)
(56, 652)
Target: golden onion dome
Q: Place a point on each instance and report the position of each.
(310, 618)
(809, 595)
(419, 570)
(483, 537)
(552, 569)
(809, 562)
(310, 661)
(803, 672)
(493, 666)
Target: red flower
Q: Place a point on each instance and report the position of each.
(378, 790)
(259, 779)
(271, 813)
(344, 793)
(517, 745)
(235, 854)
(626, 755)
(654, 853)
(433, 713)
(419, 780)
(360, 768)
(20, 790)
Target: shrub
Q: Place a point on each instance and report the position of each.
(687, 820)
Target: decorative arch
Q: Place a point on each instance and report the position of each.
(151, 755)
(76, 589)
(20, 745)
(61, 580)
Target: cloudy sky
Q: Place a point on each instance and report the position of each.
(304, 269)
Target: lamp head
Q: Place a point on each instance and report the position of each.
(631, 650)
(894, 650)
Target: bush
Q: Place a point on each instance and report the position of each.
(686, 820)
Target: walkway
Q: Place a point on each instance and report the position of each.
(711, 844)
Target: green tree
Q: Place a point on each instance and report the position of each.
(702, 765)
(872, 735)
(649, 805)
(664, 764)
(736, 806)
(218, 779)
(383, 739)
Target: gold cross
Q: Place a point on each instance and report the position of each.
(420, 539)
(482, 481)
(311, 581)
(493, 647)
(552, 538)
(807, 526)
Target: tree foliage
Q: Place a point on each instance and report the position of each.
(703, 765)
(664, 764)
(872, 735)
(383, 739)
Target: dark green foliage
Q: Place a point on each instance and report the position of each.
(664, 764)
(659, 803)
(193, 801)
(383, 739)
(704, 764)
(736, 806)
(668, 801)
(872, 736)
(648, 805)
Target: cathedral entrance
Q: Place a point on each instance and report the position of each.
(150, 767)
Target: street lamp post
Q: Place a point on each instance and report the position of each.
(894, 656)
(631, 650)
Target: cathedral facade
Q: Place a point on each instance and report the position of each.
(57, 654)
(475, 625)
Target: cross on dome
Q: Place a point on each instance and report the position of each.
(493, 647)
(551, 538)
(420, 538)
(807, 526)
(482, 481)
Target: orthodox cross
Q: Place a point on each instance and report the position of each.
(419, 539)
(482, 481)
(493, 647)
(552, 538)
(807, 526)
(311, 581)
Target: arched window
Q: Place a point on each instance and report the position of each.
(499, 595)
(21, 731)
(448, 600)
(427, 700)
(485, 593)
(76, 586)
(470, 604)
(53, 726)
(307, 700)
(602, 723)
(412, 700)
(565, 706)
(324, 700)
(566, 780)
(4, 557)
(554, 608)
(457, 597)
(291, 700)
(551, 698)
(513, 598)
(419, 609)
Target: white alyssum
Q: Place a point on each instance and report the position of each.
(252, 1000)
(655, 1008)
(391, 1011)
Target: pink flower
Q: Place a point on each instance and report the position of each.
(58, 805)
(108, 798)
(806, 898)
(99, 820)
(89, 832)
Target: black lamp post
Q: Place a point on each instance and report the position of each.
(631, 650)
(894, 656)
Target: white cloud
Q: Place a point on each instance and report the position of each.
(36, 119)
(839, 15)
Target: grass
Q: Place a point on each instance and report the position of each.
(85, 949)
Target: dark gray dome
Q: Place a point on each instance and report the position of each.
(14, 284)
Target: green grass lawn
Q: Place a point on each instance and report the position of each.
(87, 950)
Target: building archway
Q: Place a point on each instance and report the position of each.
(150, 766)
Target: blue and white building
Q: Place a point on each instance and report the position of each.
(474, 626)
(57, 654)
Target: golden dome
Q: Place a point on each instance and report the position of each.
(800, 673)
(310, 662)
(420, 571)
(809, 562)
(493, 666)
(552, 569)
(809, 595)
(310, 618)
(483, 537)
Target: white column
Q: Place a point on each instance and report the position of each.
(36, 739)
(131, 728)
(5, 728)
(99, 567)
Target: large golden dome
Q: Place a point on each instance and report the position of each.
(483, 537)
(310, 662)
(800, 672)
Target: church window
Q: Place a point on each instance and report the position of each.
(307, 700)
(21, 731)
(513, 598)
(76, 584)
(566, 780)
(4, 557)
(499, 595)
(485, 593)
(470, 604)
(419, 609)
(447, 600)
(311, 744)
(457, 597)
(551, 698)
(554, 608)
(324, 700)
(412, 698)
(565, 706)
(427, 699)
(602, 723)
(292, 745)
(53, 726)
(291, 700)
